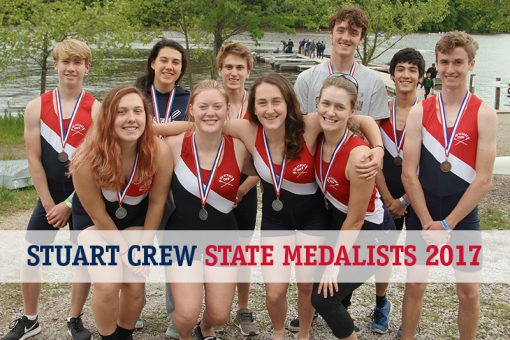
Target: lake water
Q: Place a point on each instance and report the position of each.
(492, 61)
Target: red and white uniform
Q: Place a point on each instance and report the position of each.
(221, 197)
(338, 186)
(303, 207)
(462, 153)
(51, 144)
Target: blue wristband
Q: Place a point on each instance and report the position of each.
(403, 201)
(445, 225)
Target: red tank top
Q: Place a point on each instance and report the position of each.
(50, 126)
(226, 180)
(465, 142)
(386, 129)
(298, 177)
(134, 194)
(338, 186)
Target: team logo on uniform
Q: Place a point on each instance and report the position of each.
(461, 138)
(176, 114)
(226, 180)
(78, 129)
(300, 169)
(333, 183)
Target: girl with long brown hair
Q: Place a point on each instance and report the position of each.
(121, 174)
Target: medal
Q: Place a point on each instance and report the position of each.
(155, 108)
(64, 133)
(203, 214)
(204, 190)
(446, 166)
(277, 205)
(397, 161)
(277, 180)
(121, 213)
(323, 177)
(351, 71)
(62, 157)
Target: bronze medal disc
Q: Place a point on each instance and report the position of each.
(397, 161)
(62, 157)
(445, 166)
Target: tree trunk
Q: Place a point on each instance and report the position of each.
(44, 63)
(188, 50)
(218, 41)
(44, 73)
(364, 57)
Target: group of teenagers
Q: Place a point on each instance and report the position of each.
(151, 156)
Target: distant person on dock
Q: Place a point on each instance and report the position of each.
(347, 29)
(302, 46)
(55, 124)
(428, 84)
(451, 139)
(433, 71)
(284, 43)
(308, 46)
(290, 46)
(313, 48)
(320, 49)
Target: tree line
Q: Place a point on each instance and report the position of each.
(29, 28)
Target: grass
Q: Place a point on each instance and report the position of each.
(494, 219)
(15, 200)
(11, 129)
(7, 156)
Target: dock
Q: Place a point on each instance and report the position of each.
(286, 62)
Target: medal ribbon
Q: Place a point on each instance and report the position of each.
(155, 107)
(398, 143)
(323, 178)
(463, 107)
(277, 180)
(241, 113)
(205, 189)
(122, 193)
(64, 133)
(351, 71)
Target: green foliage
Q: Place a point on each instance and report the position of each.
(311, 14)
(15, 200)
(390, 21)
(482, 16)
(11, 129)
(214, 22)
(32, 27)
